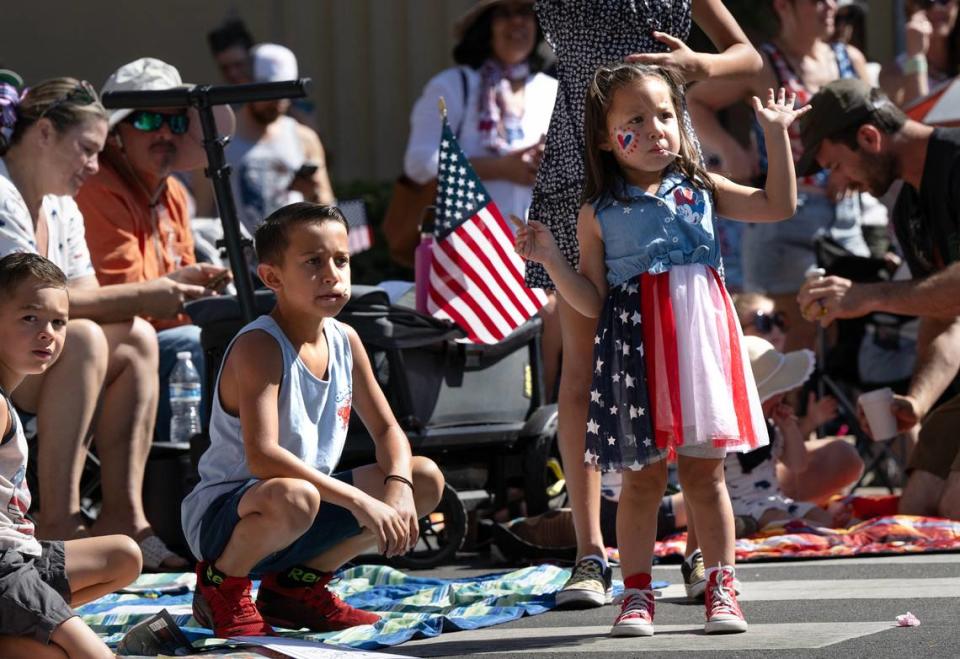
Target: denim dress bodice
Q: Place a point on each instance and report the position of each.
(653, 232)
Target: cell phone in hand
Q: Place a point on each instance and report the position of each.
(219, 282)
(307, 170)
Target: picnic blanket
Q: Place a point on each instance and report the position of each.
(409, 606)
(890, 534)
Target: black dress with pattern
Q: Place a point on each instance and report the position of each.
(586, 34)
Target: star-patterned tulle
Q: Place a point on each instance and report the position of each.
(619, 429)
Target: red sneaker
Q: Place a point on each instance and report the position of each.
(723, 611)
(310, 605)
(227, 609)
(636, 614)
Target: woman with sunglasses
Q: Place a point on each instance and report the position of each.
(52, 135)
(932, 53)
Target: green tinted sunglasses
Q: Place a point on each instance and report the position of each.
(151, 121)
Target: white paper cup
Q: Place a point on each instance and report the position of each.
(877, 408)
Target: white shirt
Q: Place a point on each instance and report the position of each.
(422, 155)
(66, 241)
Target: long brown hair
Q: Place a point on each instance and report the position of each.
(604, 177)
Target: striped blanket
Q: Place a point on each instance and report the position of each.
(409, 606)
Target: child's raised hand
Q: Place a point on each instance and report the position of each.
(778, 111)
(534, 241)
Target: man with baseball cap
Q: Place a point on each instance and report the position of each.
(274, 159)
(857, 132)
(136, 214)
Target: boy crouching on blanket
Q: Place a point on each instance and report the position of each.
(269, 501)
(40, 581)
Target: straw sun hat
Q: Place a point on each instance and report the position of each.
(464, 23)
(775, 372)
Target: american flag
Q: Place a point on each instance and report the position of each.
(360, 238)
(476, 278)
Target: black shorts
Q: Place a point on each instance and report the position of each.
(34, 592)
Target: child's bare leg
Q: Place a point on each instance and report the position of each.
(78, 640)
(21, 647)
(832, 466)
(273, 513)
(692, 542)
(708, 507)
(427, 490)
(101, 565)
(637, 517)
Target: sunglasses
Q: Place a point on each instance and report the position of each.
(765, 322)
(82, 94)
(148, 122)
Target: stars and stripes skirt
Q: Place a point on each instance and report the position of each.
(669, 371)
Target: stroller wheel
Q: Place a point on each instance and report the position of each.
(441, 535)
(544, 485)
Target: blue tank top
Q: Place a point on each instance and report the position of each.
(654, 232)
(313, 418)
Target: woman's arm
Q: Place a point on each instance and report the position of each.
(735, 54)
(158, 298)
(704, 101)
(422, 155)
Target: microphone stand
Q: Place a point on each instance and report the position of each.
(203, 98)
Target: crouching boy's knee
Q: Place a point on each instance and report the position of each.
(292, 502)
(428, 484)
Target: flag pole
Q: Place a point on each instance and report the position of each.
(442, 105)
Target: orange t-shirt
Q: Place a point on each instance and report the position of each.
(131, 240)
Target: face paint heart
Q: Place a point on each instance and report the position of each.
(625, 139)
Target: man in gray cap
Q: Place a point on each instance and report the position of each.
(860, 134)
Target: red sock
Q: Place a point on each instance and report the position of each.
(639, 581)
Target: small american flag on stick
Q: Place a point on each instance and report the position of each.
(476, 277)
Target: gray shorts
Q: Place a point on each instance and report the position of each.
(34, 592)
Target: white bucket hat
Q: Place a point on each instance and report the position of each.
(775, 372)
(150, 74)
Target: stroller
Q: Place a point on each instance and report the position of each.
(477, 410)
(877, 350)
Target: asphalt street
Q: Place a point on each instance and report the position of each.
(825, 608)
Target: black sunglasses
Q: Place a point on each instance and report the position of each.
(148, 122)
(82, 94)
(765, 322)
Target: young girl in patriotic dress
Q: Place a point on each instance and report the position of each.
(671, 380)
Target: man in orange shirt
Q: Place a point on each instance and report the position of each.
(136, 214)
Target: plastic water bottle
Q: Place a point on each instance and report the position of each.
(422, 258)
(184, 399)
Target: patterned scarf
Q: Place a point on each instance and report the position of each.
(498, 126)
